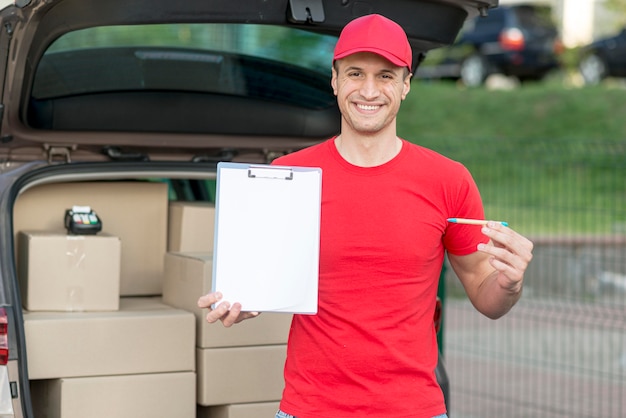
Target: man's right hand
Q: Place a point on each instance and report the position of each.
(224, 311)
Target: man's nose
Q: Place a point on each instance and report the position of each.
(369, 88)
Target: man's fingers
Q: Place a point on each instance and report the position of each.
(209, 299)
(218, 313)
(232, 316)
(223, 311)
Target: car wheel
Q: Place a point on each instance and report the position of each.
(592, 68)
(473, 71)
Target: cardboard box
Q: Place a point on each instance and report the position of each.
(191, 227)
(246, 410)
(60, 272)
(240, 375)
(187, 277)
(143, 395)
(144, 336)
(136, 212)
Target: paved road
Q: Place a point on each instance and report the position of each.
(544, 359)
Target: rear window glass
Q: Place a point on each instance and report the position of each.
(208, 58)
(272, 42)
(532, 17)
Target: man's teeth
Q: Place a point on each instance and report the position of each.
(366, 107)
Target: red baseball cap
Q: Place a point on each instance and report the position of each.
(377, 34)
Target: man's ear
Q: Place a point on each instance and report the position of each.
(406, 85)
(333, 80)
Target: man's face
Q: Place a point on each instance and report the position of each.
(369, 91)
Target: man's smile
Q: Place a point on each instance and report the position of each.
(369, 108)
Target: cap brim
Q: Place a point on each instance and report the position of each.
(389, 57)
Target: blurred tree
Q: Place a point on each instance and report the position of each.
(618, 6)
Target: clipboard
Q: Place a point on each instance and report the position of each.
(267, 228)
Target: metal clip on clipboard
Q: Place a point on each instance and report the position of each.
(270, 173)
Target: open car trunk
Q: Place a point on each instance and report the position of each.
(116, 312)
(106, 325)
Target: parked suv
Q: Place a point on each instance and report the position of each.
(518, 40)
(124, 108)
(605, 57)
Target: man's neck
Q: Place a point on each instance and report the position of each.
(368, 151)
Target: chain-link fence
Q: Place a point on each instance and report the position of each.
(561, 351)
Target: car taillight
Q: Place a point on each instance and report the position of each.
(4, 337)
(559, 48)
(512, 39)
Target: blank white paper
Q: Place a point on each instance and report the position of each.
(267, 224)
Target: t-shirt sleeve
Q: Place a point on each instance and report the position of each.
(464, 201)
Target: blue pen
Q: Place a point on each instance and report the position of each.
(473, 221)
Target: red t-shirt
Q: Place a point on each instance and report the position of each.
(371, 349)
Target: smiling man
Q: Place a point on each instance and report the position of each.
(369, 90)
(371, 350)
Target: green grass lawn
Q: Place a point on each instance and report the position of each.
(534, 113)
(548, 159)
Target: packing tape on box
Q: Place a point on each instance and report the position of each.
(75, 256)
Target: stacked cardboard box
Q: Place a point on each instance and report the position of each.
(138, 361)
(135, 212)
(143, 336)
(135, 343)
(119, 351)
(61, 272)
(239, 369)
(190, 227)
(164, 395)
(246, 410)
